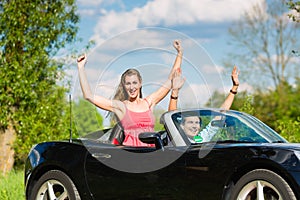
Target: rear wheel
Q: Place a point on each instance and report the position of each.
(54, 185)
(262, 184)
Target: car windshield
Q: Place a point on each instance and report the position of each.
(200, 126)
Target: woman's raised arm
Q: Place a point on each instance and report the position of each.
(101, 102)
(159, 94)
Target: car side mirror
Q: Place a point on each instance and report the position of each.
(218, 123)
(152, 138)
(222, 123)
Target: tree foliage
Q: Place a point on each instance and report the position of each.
(289, 129)
(265, 38)
(31, 95)
(278, 108)
(279, 104)
(86, 117)
(294, 6)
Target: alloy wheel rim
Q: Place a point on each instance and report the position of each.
(259, 190)
(52, 190)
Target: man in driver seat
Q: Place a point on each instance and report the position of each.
(191, 123)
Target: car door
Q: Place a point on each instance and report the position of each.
(209, 167)
(134, 173)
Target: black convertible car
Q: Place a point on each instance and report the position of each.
(244, 159)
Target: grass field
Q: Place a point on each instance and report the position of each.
(12, 186)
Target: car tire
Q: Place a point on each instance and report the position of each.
(52, 185)
(262, 182)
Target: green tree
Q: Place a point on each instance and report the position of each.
(86, 117)
(32, 98)
(271, 107)
(289, 129)
(265, 38)
(280, 113)
(157, 114)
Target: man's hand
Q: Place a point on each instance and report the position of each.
(235, 76)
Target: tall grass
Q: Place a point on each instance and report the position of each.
(12, 186)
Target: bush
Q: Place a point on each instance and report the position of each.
(289, 129)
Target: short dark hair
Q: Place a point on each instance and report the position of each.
(190, 114)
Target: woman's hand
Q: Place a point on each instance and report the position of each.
(81, 61)
(177, 46)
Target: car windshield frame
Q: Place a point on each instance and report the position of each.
(267, 134)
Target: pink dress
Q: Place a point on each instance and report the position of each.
(135, 123)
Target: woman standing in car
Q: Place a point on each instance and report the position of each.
(134, 112)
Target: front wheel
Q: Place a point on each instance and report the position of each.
(262, 184)
(54, 185)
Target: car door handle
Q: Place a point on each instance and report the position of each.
(101, 155)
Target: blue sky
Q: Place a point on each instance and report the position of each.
(206, 21)
(139, 34)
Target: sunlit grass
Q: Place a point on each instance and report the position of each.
(12, 186)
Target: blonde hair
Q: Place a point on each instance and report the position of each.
(121, 93)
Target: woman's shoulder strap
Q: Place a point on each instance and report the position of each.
(147, 102)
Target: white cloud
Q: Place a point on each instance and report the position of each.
(89, 2)
(172, 12)
(169, 13)
(87, 12)
(211, 69)
(115, 29)
(92, 8)
(134, 39)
